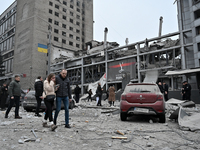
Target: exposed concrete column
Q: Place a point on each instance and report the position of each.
(82, 76)
(180, 22)
(138, 62)
(172, 82)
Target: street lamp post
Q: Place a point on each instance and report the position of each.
(49, 49)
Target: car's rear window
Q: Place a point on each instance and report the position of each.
(141, 89)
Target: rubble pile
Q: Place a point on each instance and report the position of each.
(94, 127)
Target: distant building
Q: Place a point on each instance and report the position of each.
(27, 24)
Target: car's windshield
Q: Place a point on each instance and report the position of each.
(141, 89)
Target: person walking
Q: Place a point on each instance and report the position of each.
(14, 93)
(49, 100)
(38, 94)
(4, 96)
(166, 90)
(90, 95)
(111, 98)
(187, 90)
(77, 91)
(99, 94)
(63, 93)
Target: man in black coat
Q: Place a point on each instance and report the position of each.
(187, 90)
(160, 87)
(38, 94)
(77, 91)
(166, 90)
(4, 96)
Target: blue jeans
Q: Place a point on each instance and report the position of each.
(58, 107)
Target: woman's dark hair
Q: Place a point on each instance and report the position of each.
(50, 76)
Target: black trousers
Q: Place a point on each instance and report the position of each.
(77, 98)
(89, 98)
(49, 109)
(99, 102)
(16, 100)
(39, 100)
(3, 101)
(166, 97)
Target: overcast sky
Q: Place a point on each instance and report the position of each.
(132, 19)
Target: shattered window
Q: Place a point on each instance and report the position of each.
(57, 14)
(198, 30)
(64, 17)
(197, 14)
(55, 38)
(63, 41)
(50, 11)
(63, 33)
(64, 2)
(70, 43)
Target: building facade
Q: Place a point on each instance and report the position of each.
(62, 25)
(7, 37)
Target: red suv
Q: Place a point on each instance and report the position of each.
(142, 98)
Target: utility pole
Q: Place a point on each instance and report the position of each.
(49, 49)
(106, 55)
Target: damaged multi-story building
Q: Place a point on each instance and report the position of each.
(175, 56)
(62, 26)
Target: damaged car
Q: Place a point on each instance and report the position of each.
(142, 99)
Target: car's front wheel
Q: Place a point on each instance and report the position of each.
(123, 116)
(162, 118)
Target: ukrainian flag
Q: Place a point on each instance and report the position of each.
(42, 48)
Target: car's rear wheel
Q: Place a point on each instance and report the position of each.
(162, 118)
(123, 116)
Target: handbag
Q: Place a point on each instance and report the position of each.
(50, 97)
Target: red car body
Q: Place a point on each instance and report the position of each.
(142, 98)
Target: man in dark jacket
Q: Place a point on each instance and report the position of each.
(63, 93)
(160, 87)
(38, 94)
(99, 93)
(4, 96)
(187, 90)
(14, 93)
(166, 90)
(77, 91)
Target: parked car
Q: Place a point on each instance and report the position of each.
(142, 98)
(30, 102)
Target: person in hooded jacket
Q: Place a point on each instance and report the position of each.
(38, 94)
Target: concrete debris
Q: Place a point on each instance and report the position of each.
(20, 141)
(150, 121)
(166, 148)
(119, 132)
(149, 144)
(185, 112)
(146, 137)
(189, 121)
(116, 137)
(6, 123)
(38, 140)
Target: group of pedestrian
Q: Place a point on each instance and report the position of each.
(53, 87)
(110, 95)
